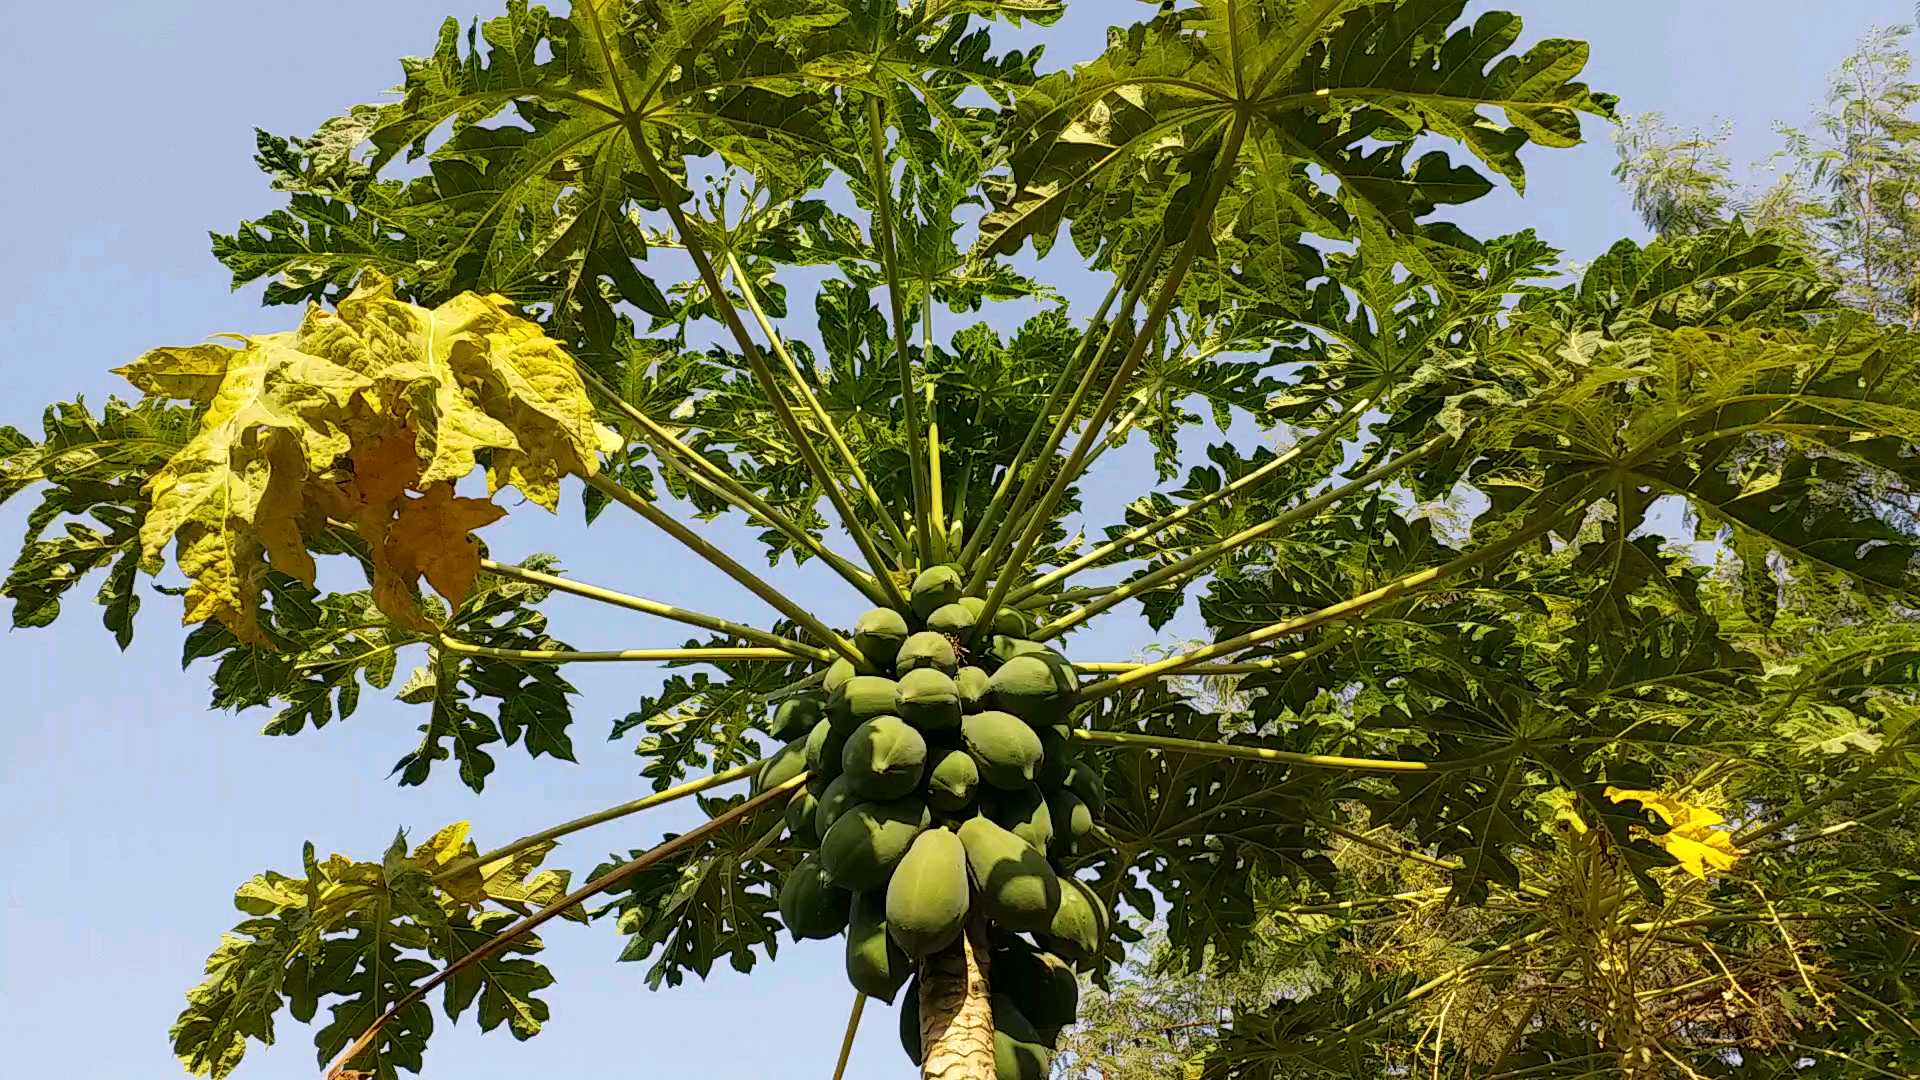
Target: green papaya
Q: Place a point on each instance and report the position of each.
(952, 782)
(953, 619)
(1010, 622)
(1057, 745)
(928, 700)
(878, 635)
(1003, 648)
(1006, 749)
(796, 716)
(862, 698)
(975, 686)
(1024, 813)
(936, 587)
(1018, 890)
(1014, 1057)
(1037, 688)
(863, 844)
(1085, 783)
(910, 1022)
(875, 965)
(826, 743)
(802, 811)
(1078, 927)
(1043, 986)
(836, 800)
(884, 758)
(838, 673)
(928, 895)
(786, 763)
(1072, 822)
(810, 907)
(926, 649)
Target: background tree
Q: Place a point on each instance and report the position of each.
(1259, 180)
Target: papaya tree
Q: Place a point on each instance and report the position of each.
(560, 257)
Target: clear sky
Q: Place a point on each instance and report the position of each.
(131, 811)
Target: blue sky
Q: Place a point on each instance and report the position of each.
(133, 811)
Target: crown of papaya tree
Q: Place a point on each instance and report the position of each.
(935, 774)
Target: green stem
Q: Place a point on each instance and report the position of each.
(1388, 849)
(1244, 667)
(1036, 521)
(1207, 556)
(727, 566)
(697, 468)
(1130, 741)
(1831, 830)
(846, 1041)
(762, 374)
(572, 656)
(664, 611)
(819, 411)
(936, 493)
(696, 835)
(1393, 590)
(896, 303)
(1001, 519)
(1168, 521)
(599, 817)
(1836, 793)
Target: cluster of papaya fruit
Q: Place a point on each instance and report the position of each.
(941, 786)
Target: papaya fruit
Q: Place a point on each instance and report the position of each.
(801, 813)
(1036, 688)
(926, 649)
(862, 698)
(862, 846)
(1006, 749)
(1057, 745)
(928, 700)
(934, 588)
(1024, 813)
(928, 895)
(878, 634)
(1087, 785)
(975, 686)
(1018, 890)
(1012, 623)
(1043, 986)
(811, 908)
(836, 800)
(796, 716)
(952, 781)
(838, 673)
(1078, 927)
(910, 1022)
(1015, 1057)
(786, 763)
(955, 620)
(1072, 822)
(884, 758)
(876, 966)
(1002, 648)
(825, 745)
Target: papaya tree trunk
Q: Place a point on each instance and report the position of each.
(956, 1017)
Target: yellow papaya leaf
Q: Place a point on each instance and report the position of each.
(340, 420)
(234, 495)
(429, 537)
(472, 376)
(1692, 837)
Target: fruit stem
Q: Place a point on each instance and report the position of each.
(645, 859)
(897, 307)
(573, 656)
(1131, 741)
(820, 415)
(846, 1041)
(774, 597)
(600, 817)
(655, 607)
